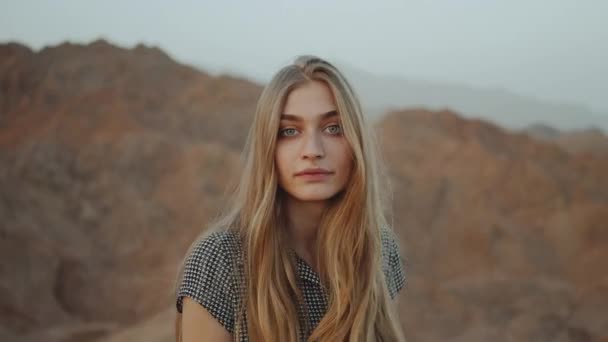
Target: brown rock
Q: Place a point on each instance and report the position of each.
(502, 232)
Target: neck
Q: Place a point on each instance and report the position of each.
(303, 218)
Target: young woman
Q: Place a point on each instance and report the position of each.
(305, 252)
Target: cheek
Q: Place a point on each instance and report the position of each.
(347, 166)
(281, 157)
(346, 159)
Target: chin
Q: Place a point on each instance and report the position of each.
(317, 195)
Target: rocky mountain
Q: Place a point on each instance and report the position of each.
(112, 160)
(506, 235)
(590, 140)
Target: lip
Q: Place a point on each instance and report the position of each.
(314, 177)
(314, 172)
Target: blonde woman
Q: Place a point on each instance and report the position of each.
(305, 252)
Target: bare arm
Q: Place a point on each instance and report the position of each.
(199, 326)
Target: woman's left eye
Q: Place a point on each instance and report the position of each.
(334, 129)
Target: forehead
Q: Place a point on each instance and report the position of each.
(310, 100)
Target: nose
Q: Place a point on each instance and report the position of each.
(313, 146)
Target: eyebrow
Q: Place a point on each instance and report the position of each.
(324, 116)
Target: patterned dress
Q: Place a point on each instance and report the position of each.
(214, 268)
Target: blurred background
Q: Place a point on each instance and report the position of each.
(121, 123)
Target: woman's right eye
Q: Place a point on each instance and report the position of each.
(287, 132)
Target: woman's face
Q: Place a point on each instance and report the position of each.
(310, 138)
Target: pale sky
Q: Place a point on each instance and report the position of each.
(550, 49)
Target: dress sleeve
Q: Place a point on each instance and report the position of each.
(394, 263)
(208, 278)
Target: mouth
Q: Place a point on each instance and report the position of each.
(314, 175)
(313, 172)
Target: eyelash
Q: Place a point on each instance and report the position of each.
(288, 136)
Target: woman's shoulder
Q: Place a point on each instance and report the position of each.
(216, 254)
(208, 275)
(393, 263)
(222, 245)
(209, 272)
(389, 241)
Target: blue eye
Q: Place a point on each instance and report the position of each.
(283, 132)
(337, 129)
(290, 132)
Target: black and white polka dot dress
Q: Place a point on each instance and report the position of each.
(214, 268)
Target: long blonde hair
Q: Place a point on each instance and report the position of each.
(348, 242)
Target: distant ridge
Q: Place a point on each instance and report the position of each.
(383, 93)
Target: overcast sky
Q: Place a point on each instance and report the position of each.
(550, 49)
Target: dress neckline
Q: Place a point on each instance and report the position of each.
(305, 271)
